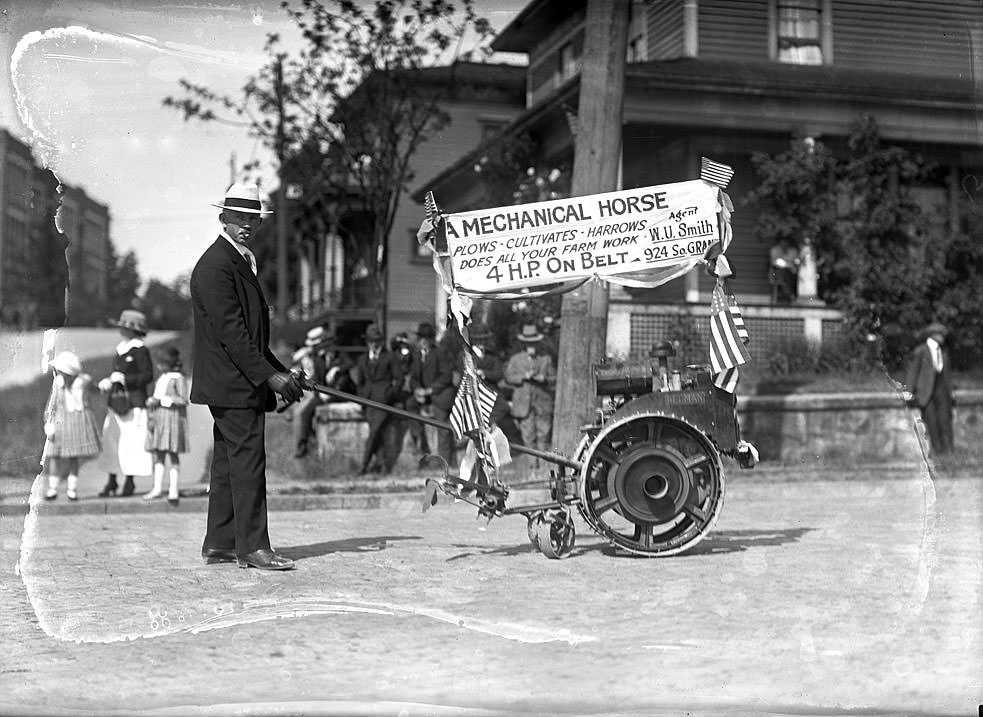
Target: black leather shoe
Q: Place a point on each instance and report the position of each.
(265, 560)
(217, 555)
(128, 487)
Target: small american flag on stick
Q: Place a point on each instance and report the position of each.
(727, 348)
(715, 172)
(471, 412)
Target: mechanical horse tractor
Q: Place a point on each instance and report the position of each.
(646, 475)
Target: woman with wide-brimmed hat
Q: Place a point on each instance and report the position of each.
(127, 387)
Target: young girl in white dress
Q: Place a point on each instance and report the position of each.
(69, 424)
(167, 433)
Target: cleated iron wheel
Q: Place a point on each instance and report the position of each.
(651, 484)
(556, 534)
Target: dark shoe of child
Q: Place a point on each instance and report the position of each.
(110, 488)
(128, 487)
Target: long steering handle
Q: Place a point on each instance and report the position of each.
(443, 425)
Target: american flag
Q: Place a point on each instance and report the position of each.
(727, 348)
(738, 317)
(727, 380)
(468, 414)
(715, 172)
(430, 207)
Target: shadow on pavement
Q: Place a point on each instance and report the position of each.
(734, 541)
(350, 545)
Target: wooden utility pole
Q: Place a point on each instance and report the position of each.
(597, 152)
(282, 299)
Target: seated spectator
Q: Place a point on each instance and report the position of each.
(784, 271)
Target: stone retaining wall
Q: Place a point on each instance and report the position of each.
(813, 429)
(810, 430)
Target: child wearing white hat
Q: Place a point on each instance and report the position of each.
(69, 424)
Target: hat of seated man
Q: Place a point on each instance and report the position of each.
(318, 336)
(373, 333)
(133, 320)
(530, 334)
(67, 362)
(426, 330)
(243, 198)
(479, 332)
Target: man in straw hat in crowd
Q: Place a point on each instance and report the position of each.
(318, 360)
(928, 386)
(532, 375)
(125, 426)
(237, 376)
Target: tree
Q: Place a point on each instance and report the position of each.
(885, 261)
(347, 113)
(123, 283)
(167, 306)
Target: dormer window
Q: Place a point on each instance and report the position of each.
(799, 28)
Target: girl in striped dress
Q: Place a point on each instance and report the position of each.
(69, 424)
(167, 434)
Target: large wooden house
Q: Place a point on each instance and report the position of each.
(727, 78)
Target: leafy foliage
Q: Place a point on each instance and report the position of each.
(888, 263)
(346, 114)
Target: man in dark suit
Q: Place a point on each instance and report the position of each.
(237, 376)
(379, 376)
(432, 383)
(928, 386)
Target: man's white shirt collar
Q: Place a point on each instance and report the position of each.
(244, 251)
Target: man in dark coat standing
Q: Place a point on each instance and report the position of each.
(379, 376)
(432, 383)
(237, 376)
(928, 386)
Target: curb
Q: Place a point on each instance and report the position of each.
(367, 495)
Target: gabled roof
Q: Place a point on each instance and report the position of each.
(526, 29)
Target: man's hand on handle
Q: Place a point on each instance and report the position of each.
(287, 385)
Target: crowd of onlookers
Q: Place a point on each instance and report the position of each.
(146, 427)
(422, 375)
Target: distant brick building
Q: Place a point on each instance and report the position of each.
(35, 269)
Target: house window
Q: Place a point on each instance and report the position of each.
(490, 128)
(419, 254)
(569, 62)
(799, 26)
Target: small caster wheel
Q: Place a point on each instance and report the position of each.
(532, 528)
(556, 536)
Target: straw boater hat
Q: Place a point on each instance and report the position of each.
(67, 362)
(243, 198)
(133, 320)
(318, 336)
(480, 332)
(530, 334)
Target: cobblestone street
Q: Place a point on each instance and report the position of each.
(814, 595)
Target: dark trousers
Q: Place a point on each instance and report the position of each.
(237, 516)
(937, 415)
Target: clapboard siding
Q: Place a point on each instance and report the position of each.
(733, 29)
(910, 36)
(664, 27)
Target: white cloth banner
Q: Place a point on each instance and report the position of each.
(608, 235)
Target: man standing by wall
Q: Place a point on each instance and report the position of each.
(378, 376)
(929, 387)
(237, 376)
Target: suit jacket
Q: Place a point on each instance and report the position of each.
(138, 369)
(530, 395)
(922, 377)
(379, 380)
(232, 333)
(436, 372)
